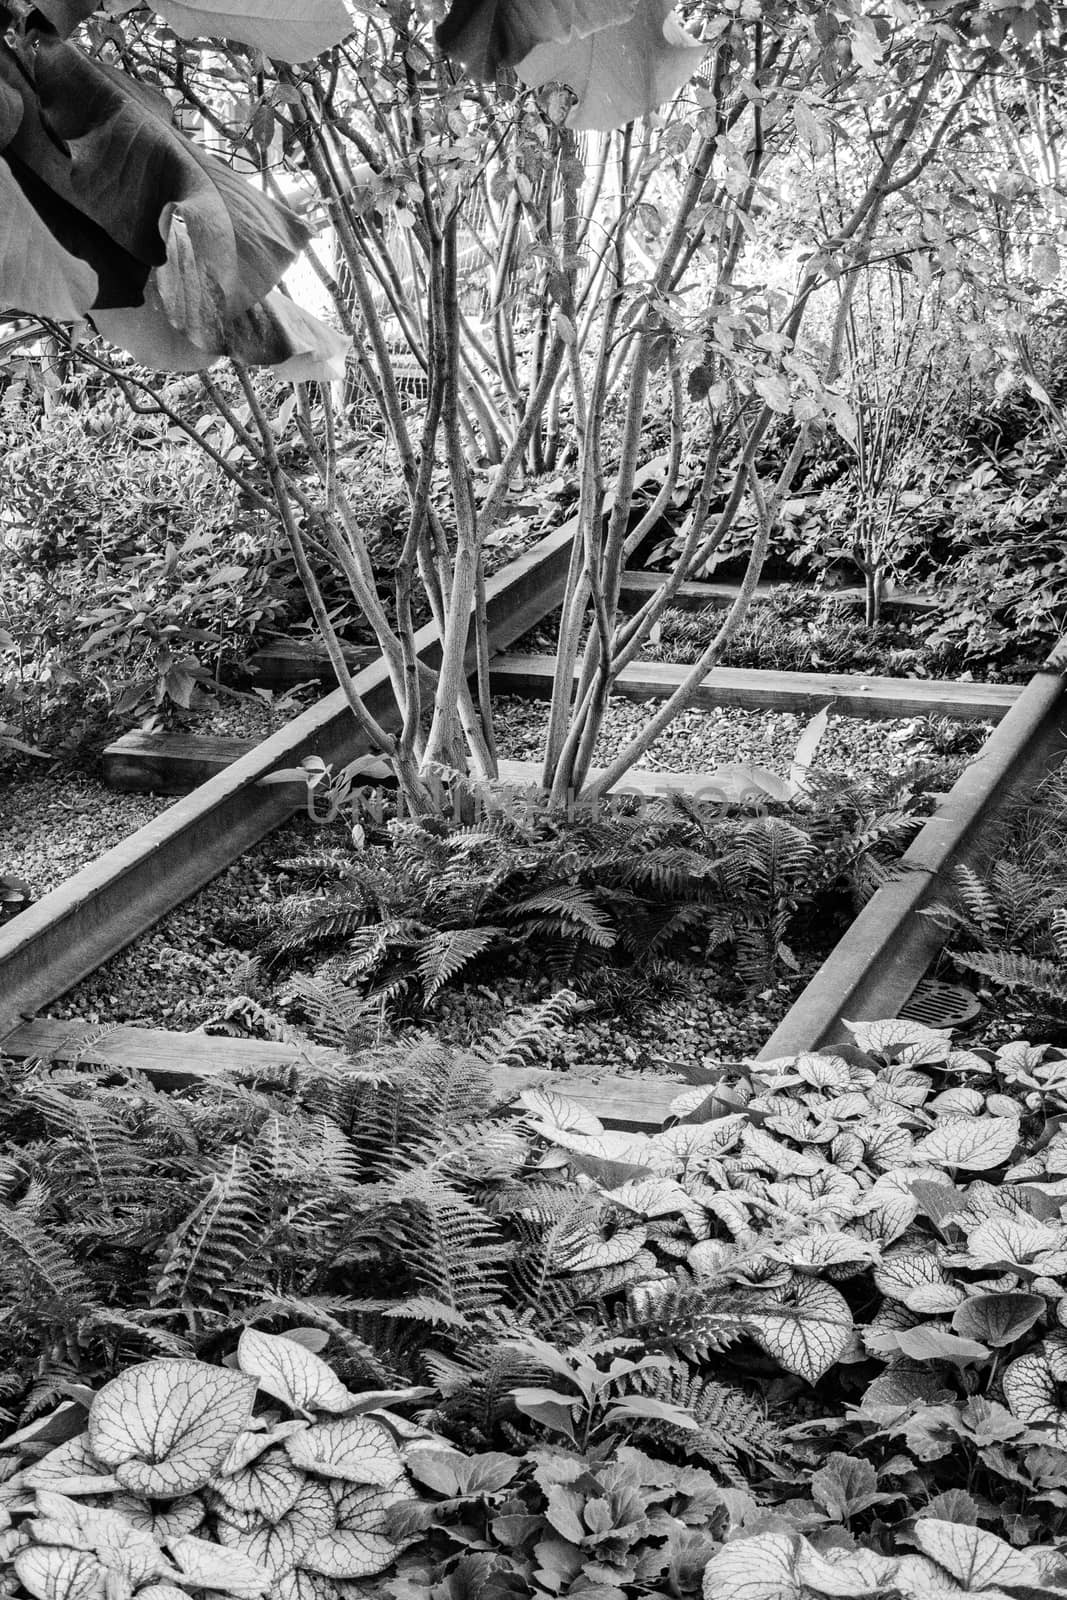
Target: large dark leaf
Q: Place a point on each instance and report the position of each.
(36, 271)
(276, 333)
(65, 15)
(110, 151)
(39, 221)
(619, 72)
(489, 34)
(36, 274)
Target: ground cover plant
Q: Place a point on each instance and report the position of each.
(581, 895)
(804, 1341)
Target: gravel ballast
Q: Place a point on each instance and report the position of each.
(51, 827)
(700, 739)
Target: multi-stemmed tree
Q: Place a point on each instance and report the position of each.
(549, 257)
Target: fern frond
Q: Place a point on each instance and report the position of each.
(206, 1256)
(451, 1246)
(571, 904)
(442, 956)
(979, 901)
(135, 1330)
(693, 1321)
(730, 1423)
(36, 1266)
(523, 1036)
(1012, 971)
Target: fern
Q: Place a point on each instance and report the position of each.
(525, 1036)
(573, 910)
(615, 892)
(450, 1246)
(731, 1427)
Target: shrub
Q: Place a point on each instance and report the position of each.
(130, 573)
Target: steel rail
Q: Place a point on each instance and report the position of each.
(70, 932)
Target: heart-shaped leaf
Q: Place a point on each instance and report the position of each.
(357, 1450)
(280, 1546)
(1018, 1243)
(269, 1486)
(974, 1143)
(291, 1373)
(350, 1555)
(553, 1110)
(254, 1442)
(844, 1574)
(805, 1327)
(588, 1252)
(998, 1319)
(165, 1427)
(882, 1038)
(211, 1566)
(50, 1572)
(364, 1508)
(120, 1546)
(763, 1567)
(71, 1468)
(161, 1522)
(1034, 1383)
(975, 1558)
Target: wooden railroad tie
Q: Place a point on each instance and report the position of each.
(175, 763)
(183, 1060)
(637, 586)
(801, 692)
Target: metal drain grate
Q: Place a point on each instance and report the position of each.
(940, 1005)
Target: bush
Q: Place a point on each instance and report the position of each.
(1003, 574)
(129, 572)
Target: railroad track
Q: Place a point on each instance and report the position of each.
(871, 973)
(70, 932)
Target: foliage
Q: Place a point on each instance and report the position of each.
(133, 1221)
(1002, 557)
(813, 1327)
(165, 1480)
(616, 300)
(793, 632)
(130, 576)
(616, 884)
(1008, 924)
